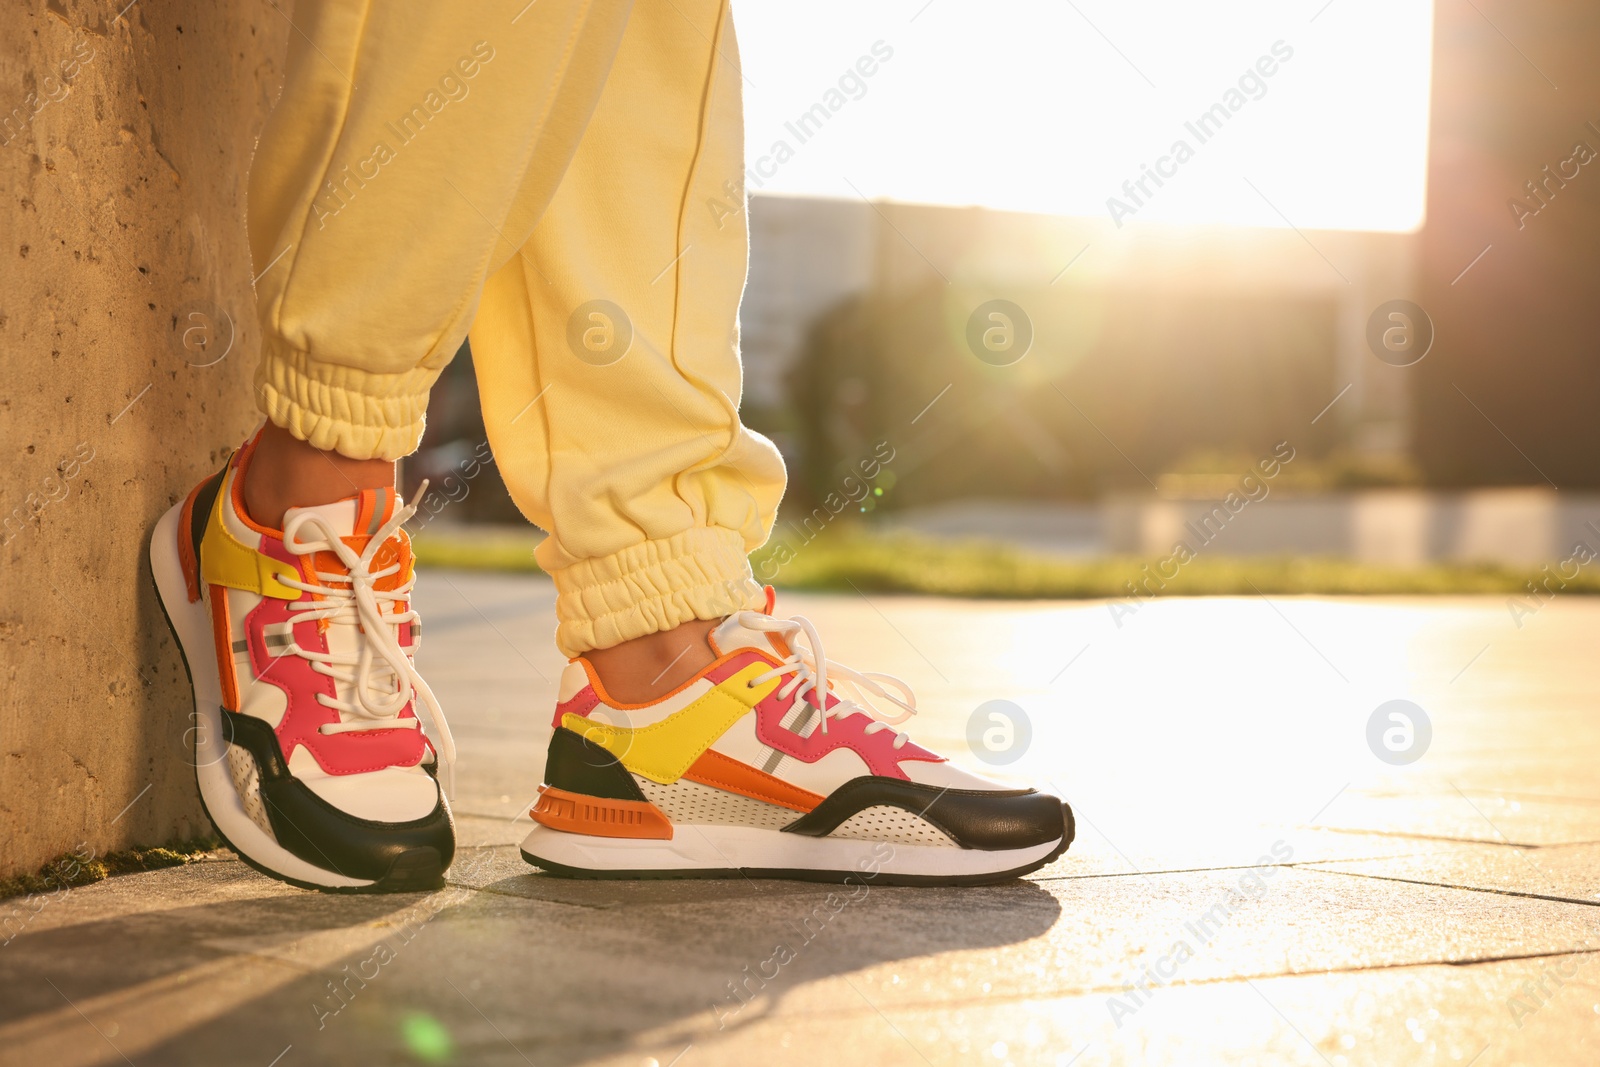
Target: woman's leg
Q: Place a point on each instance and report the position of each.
(408, 156)
(409, 142)
(607, 354)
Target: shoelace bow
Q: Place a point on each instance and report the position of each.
(380, 676)
(812, 672)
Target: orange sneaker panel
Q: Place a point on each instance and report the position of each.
(606, 698)
(222, 632)
(725, 772)
(578, 813)
(396, 550)
(236, 490)
(186, 556)
(365, 506)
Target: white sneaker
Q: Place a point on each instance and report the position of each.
(308, 751)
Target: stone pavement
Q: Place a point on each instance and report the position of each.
(1252, 883)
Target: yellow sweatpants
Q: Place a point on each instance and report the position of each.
(564, 178)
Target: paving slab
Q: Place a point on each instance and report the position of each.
(568, 971)
(1431, 1016)
(1252, 882)
(1569, 872)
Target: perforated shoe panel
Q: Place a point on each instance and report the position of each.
(690, 802)
(884, 822)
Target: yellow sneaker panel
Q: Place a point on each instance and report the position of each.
(225, 560)
(663, 751)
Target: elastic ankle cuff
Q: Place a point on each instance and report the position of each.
(701, 573)
(356, 413)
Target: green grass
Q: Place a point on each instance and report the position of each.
(477, 552)
(846, 560)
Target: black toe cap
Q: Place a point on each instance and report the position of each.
(990, 820)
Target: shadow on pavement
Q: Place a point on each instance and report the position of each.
(527, 968)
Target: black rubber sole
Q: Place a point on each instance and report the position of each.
(561, 870)
(416, 870)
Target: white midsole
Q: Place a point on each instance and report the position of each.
(708, 846)
(193, 625)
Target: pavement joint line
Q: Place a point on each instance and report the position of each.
(1524, 894)
(1408, 835)
(1479, 810)
(1306, 864)
(1543, 798)
(1024, 997)
(533, 900)
(1486, 819)
(1176, 870)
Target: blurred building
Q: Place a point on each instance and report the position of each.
(1148, 345)
(1156, 350)
(1510, 257)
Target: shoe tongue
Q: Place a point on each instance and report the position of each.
(339, 515)
(361, 515)
(354, 520)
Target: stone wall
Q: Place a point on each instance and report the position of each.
(128, 336)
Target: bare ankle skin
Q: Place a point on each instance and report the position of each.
(650, 667)
(285, 472)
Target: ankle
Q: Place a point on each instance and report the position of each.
(284, 472)
(649, 667)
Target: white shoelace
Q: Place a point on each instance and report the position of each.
(812, 670)
(380, 675)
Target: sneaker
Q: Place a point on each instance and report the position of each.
(744, 770)
(307, 748)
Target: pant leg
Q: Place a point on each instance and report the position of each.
(407, 137)
(616, 426)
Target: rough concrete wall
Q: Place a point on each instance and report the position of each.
(124, 146)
